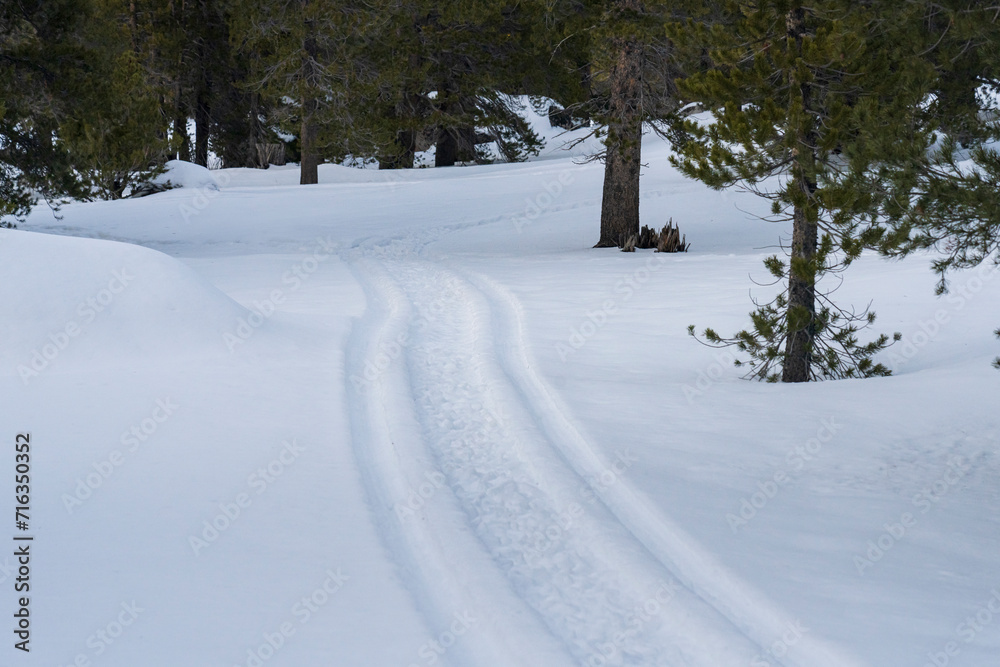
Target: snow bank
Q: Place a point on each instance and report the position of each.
(181, 174)
(71, 302)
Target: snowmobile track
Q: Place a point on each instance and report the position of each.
(588, 570)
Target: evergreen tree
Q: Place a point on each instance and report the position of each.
(819, 107)
(620, 56)
(624, 116)
(40, 54)
(450, 72)
(116, 133)
(191, 57)
(304, 54)
(477, 52)
(953, 207)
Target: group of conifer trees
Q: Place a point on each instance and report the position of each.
(866, 123)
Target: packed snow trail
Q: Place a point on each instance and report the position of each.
(469, 458)
(675, 550)
(441, 573)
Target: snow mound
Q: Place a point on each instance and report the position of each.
(181, 174)
(68, 303)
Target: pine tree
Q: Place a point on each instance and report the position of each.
(620, 55)
(205, 81)
(477, 54)
(450, 72)
(116, 134)
(819, 108)
(117, 144)
(622, 161)
(304, 57)
(953, 207)
(42, 55)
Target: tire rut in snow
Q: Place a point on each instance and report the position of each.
(750, 613)
(595, 586)
(432, 552)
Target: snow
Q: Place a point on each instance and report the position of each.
(181, 174)
(431, 426)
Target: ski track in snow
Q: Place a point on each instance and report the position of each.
(441, 581)
(611, 579)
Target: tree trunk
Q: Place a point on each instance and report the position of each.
(309, 158)
(456, 142)
(801, 293)
(201, 121)
(181, 132)
(466, 137)
(797, 366)
(620, 203)
(203, 95)
(404, 158)
(446, 154)
(309, 165)
(202, 118)
(257, 135)
(407, 113)
(181, 107)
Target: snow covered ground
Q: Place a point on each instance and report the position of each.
(413, 419)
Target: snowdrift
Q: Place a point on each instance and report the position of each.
(72, 303)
